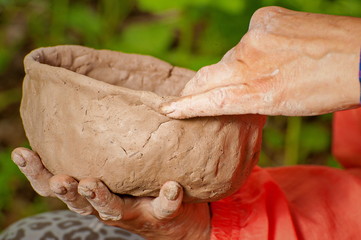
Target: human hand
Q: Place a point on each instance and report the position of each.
(289, 63)
(164, 217)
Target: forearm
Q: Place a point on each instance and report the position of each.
(341, 51)
(322, 64)
(289, 63)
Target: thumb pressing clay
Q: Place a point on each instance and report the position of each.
(94, 113)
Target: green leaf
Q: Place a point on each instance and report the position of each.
(273, 138)
(5, 58)
(332, 162)
(162, 5)
(315, 138)
(232, 7)
(86, 22)
(8, 97)
(9, 174)
(292, 146)
(188, 60)
(152, 38)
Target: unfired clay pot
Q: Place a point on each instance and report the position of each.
(94, 113)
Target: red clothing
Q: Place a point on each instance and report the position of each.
(299, 202)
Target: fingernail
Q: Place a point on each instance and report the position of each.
(169, 108)
(60, 190)
(172, 192)
(19, 160)
(85, 192)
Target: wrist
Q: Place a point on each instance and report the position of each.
(349, 45)
(192, 223)
(200, 227)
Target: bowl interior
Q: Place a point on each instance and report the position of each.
(132, 71)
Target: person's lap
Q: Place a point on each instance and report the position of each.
(64, 225)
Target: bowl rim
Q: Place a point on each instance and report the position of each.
(32, 63)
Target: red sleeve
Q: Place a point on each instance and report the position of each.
(347, 137)
(299, 202)
(288, 203)
(258, 210)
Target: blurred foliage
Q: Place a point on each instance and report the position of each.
(187, 33)
(10, 180)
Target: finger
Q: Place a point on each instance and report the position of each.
(66, 189)
(30, 164)
(108, 205)
(219, 101)
(168, 203)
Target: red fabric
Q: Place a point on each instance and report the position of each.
(347, 137)
(299, 202)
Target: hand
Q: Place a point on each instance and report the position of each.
(164, 217)
(289, 63)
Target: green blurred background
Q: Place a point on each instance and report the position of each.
(187, 33)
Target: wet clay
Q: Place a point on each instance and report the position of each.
(94, 113)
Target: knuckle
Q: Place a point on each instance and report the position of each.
(253, 38)
(100, 203)
(218, 97)
(264, 12)
(85, 211)
(165, 214)
(42, 190)
(108, 217)
(44, 193)
(146, 226)
(262, 16)
(198, 82)
(68, 198)
(202, 75)
(256, 43)
(229, 54)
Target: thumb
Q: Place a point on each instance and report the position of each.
(168, 203)
(209, 77)
(228, 100)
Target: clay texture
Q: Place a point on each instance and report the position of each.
(94, 113)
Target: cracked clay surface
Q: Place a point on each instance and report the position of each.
(94, 113)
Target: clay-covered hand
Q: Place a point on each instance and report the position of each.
(288, 63)
(164, 217)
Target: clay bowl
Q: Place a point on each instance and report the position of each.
(94, 113)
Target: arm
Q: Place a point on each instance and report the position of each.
(289, 63)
